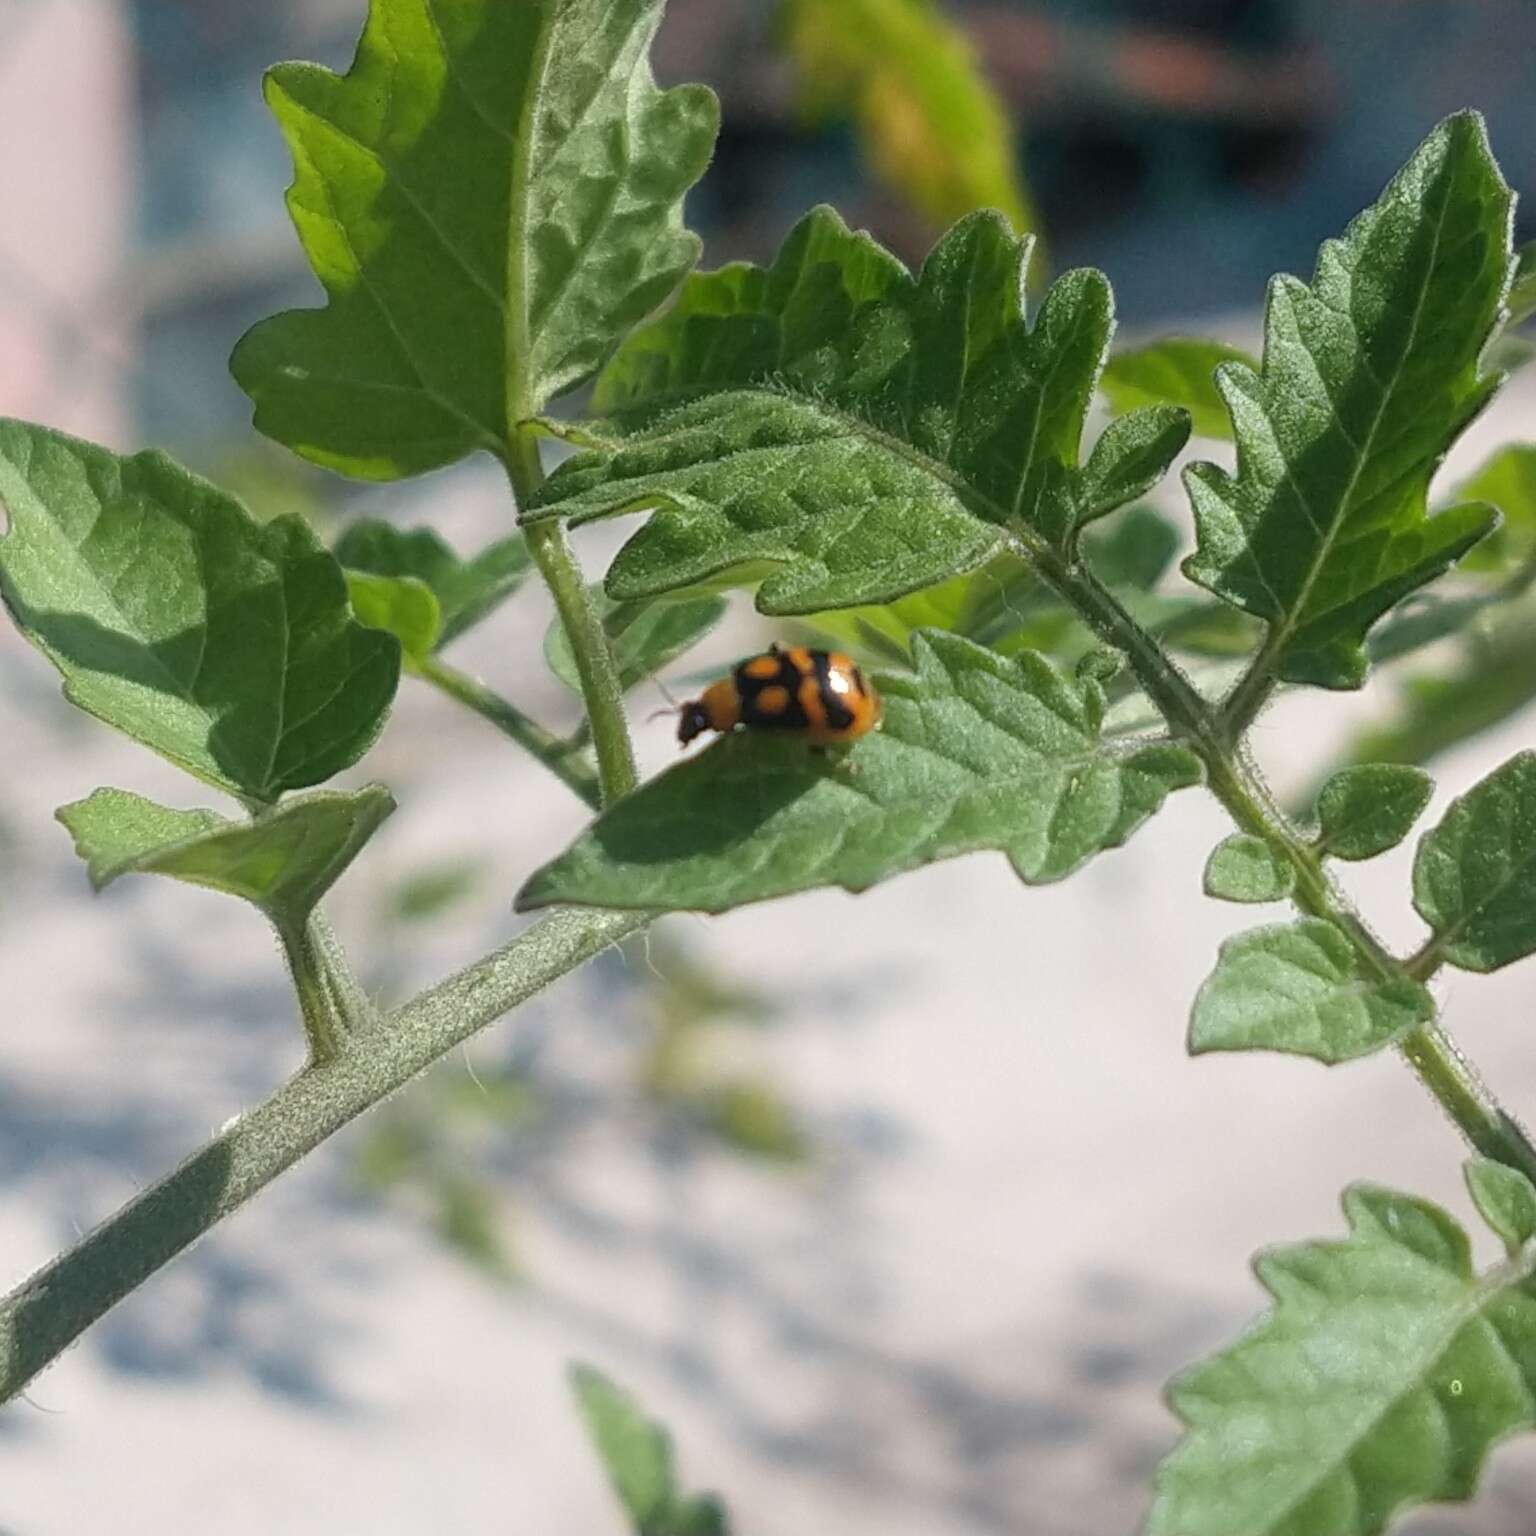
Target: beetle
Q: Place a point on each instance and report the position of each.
(821, 696)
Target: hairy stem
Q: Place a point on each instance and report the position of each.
(600, 688)
(563, 759)
(1237, 784)
(331, 1003)
(45, 1314)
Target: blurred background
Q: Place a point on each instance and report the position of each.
(899, 1210)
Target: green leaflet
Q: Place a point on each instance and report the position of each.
(1366, 810)
(1474, 878)
(1175, 370)
(1244, 868)
(407, 608)
(491, 197)
(976, 752)
(1301, 988)
(1382, 1376)
(1368, 376)
(466, 590)
(1505, 1199)
(1507, 480)
(637, 1454)
(224, 644)
(644, 637)
(1521, 302)
(282, 862)
(867, 432)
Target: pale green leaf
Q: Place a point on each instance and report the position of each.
(1368, 376)
(1505, 1199)
(1380, 1379)
(466, 590)
(283, 861)
(1174, 370)
(224, 644)
(1366, 810)
(930, 124)
(1244, 868)
(491, 197)
(976, 752)
(404, 606)
(635, 1450)
(867, 432)
(1506, 481)
(1303, 988)
(1521, 302)
(644, 637)
(1474, 879)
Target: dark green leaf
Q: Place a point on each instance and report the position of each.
(1366, 810)
(866, 432)
(283, 862)
(1508, 482)
(225, 645)
(644, 637)
(491, 197)
(1244, 868)
(1381, 1378)
(1131, 456)
(402, 605)
(1302, 988)
(1505, 1199)
(1368, 376)
(1474, 880)
(976, 752)
(636, 1451)
(1176, 370)
(466, 590)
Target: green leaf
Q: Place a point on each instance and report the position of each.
(1474, 879)
(466, 590)
(930, 124)
(1244, 868)
(1175, 370)
(644, 637)
(636, 1451)
(224, 644)
(491, 197)
(1366, 810)
(1368, 376)
(1383, 1375)
(1521, 302)
(866, 432)
(402, 605)
(1507, 481)
(1505, 1199)
(1302, 988)
(976, 752)
(282, 862)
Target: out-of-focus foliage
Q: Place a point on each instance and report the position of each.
(931, 127)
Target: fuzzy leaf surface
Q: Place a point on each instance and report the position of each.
(1380, 1379)
(1301, 988)
(976, 752)
(491, 197)
(224, 644)
(283, 862)
(1245, 868)
(858, 431)
(1174, 370)
(1474, 877)
(1505, 1199)
(466, 590)
(1368, 376)
(644, 637)
(1366, 810)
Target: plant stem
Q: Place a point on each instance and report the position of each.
(331, 1003)
(600, 687)
(567, 762)
(46, 1313)
(1235, 781)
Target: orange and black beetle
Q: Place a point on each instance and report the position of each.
(821, 696)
